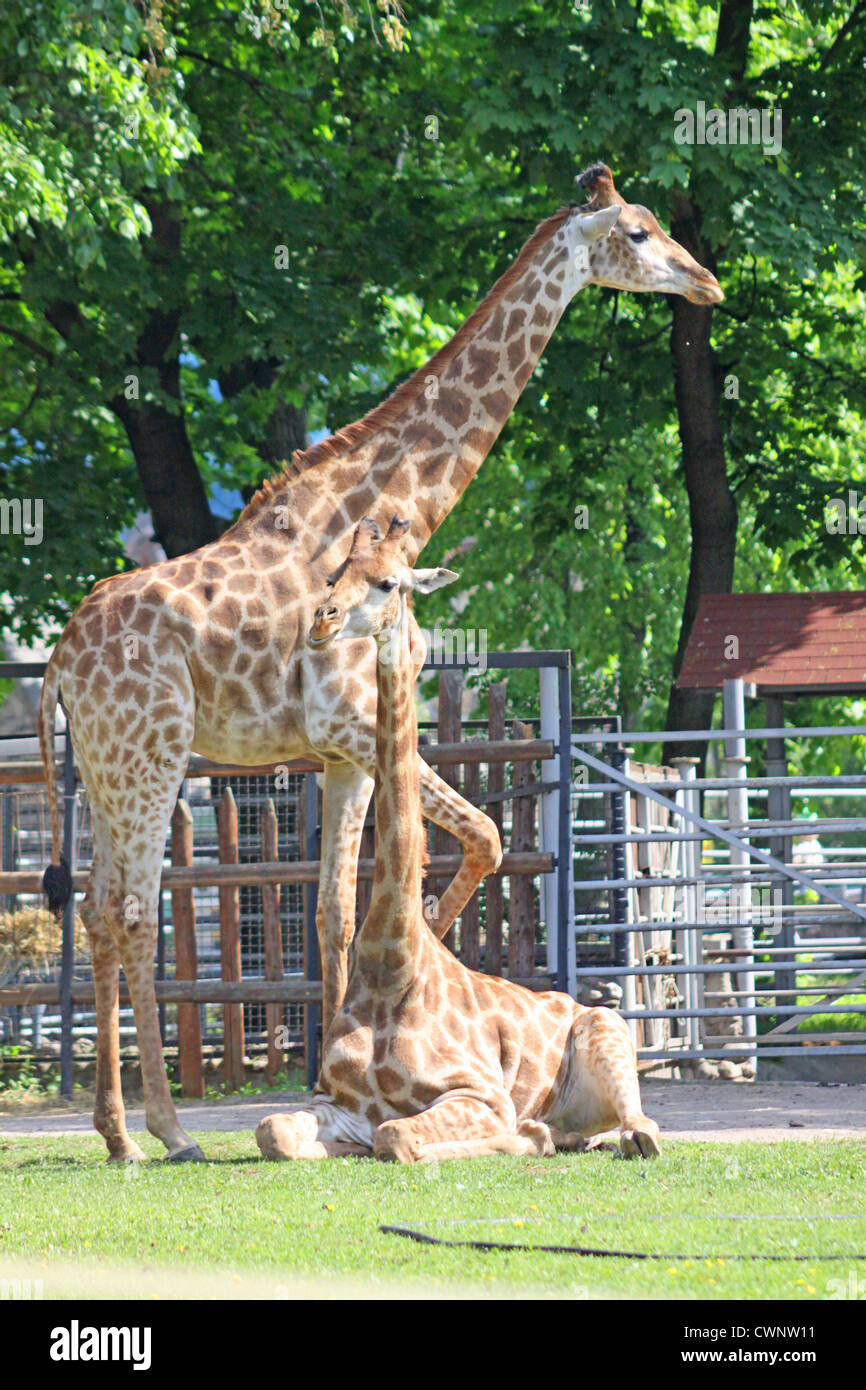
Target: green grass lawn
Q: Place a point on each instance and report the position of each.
(237, 1219)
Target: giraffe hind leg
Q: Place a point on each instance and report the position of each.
(608, 1092)
(482, 851)
(460, 1127)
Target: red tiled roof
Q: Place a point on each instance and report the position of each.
(786, 642)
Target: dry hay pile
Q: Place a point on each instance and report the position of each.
(31, 940)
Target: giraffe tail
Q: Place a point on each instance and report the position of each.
(57, 880)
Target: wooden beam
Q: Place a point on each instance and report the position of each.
(213, 875)
(438, 754)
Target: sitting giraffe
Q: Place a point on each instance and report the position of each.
(425, 1059)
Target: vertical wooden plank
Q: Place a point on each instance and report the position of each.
(521, 896)
(364, 888)
(273, 939)
(450, 710)
(186, 956)
(495, 783)
(470, 919)
(230, 945)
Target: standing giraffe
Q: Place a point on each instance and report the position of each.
(426, 1059)
(207, 652)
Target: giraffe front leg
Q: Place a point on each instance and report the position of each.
(317, 1130)
(345, 800)
(461, 1126)
(482, 851)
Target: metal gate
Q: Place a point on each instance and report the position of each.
(782, 939)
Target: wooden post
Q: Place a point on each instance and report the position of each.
(450, 709)
(364, 888)
(309, 815)
(495, 783)
(186, 956)
(230, 945)
(273, 937)
(521, 895)
(470, 919)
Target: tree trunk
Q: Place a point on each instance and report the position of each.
(712, 506)
(173, 486)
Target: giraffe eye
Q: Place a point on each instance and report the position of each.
(387, 585)
(638, 236)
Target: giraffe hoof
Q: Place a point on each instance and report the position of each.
(191, 1154)
(131, 1155)
(640, 1142)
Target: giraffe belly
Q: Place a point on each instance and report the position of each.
(269, 737)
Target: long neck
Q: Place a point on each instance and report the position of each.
(417, 452)
(391, 933)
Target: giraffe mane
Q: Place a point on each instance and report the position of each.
(343, 441)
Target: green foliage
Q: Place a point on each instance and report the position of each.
(399, 171)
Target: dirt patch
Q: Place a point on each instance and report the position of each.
(715, 1111)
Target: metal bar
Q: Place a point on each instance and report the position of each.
(566, 943)
(805, 968)
(697, 735)
(755, 1011)
(739, 1052)
(805, 880)
(11, 670)
(506, 661)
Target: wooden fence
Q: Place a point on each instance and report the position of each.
(521, 863)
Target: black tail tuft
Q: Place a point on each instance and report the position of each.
(57, 886)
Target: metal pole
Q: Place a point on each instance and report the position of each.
(311, 850)
(548, 693)
(623, 898)
(689, 938)
(566, 944)
(67, 956)
(779, 809)
(736, 765)
(619, 896)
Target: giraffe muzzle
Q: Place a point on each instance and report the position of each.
(705, 290)
(327, 622)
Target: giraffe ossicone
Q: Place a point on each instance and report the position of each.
(428, 1060)
(208, 652)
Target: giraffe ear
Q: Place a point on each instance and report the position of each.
(597, 181)
(425, 581)
(593, 225)
(366, 531)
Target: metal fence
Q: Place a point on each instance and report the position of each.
(728, 909)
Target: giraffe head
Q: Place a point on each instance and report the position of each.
(368, 591)
(637, 254)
